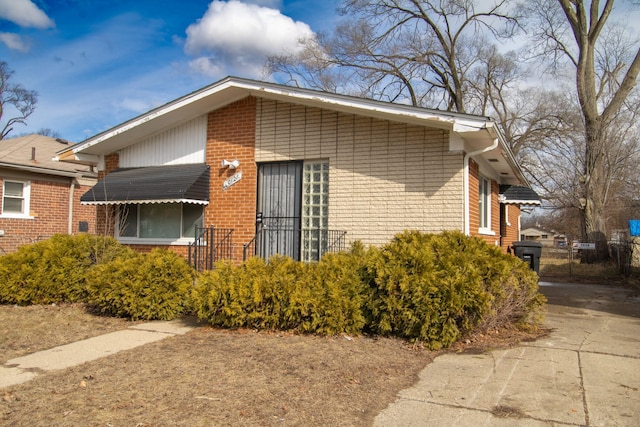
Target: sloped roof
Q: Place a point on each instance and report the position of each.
(35, 153)
(153, 184)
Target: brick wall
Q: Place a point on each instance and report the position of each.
(231, 135)
(49, 207)
(509, 228)
(474, 206)
(474, 200)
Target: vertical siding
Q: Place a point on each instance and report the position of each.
(385, 177)
(183, 144)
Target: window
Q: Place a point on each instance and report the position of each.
(315, 209)
(485, 204)
(160, 221)
(15, 199)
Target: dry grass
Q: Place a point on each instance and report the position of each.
(206, 377)
(211, 376)
(555, 266)
(25, 330)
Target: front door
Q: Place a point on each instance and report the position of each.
(293, 210)
(279, 204)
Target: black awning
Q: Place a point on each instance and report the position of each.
(518, 195)
(154, 184)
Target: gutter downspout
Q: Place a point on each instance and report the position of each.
(71, 193)
(466, 181)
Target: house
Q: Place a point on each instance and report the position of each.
(279, 169)
(41, 197)
(545, 237)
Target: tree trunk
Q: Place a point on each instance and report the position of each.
(594, 194)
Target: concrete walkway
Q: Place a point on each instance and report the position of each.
(586, 373)
(24, 368)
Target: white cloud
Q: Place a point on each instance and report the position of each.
(235, 38)
(25, 14)
(14, 42)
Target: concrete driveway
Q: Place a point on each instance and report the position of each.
(586, 373)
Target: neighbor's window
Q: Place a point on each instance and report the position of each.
(160, 220)
(485, 203)
(15, 198)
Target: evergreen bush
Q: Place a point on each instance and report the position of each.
(323, 298)
(426, 287)
(54, 270)
(438, 288)
(329, 297)
(153, 286)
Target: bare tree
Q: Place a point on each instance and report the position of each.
(606, 64)
(49, 132)
(411, 51)
(15, 97)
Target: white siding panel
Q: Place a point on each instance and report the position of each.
(183, 144)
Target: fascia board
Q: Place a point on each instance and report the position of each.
(231, 89)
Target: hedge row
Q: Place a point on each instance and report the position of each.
(432, 288)
(112, 278)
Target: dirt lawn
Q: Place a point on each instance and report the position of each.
(209, 376)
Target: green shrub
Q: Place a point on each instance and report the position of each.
(54, 270)
(142, 286)
(437, 288)
(243, 296)
(432, 288)
(329, 297)
(324, 298)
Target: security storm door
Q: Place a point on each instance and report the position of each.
(279, 203)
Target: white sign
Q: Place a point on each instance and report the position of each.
(584, 246)
(231, 180)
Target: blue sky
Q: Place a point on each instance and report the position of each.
(97, 63)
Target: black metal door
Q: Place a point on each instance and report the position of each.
(279, 196)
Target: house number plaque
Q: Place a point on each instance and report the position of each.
(231, 180)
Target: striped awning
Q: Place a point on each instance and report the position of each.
(154, 184)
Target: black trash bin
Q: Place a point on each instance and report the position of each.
(529, 252)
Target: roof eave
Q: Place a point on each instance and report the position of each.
(232, 89)
(48, 171)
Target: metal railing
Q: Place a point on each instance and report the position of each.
(210, 245)
(300, 244)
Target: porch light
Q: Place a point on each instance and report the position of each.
(231, 164)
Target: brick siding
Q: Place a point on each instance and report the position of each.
(474, 206)
(49, 207)
(231, 135)
(509, 227)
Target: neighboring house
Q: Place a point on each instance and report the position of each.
(41, 197)
(545, 237)
(300, 172)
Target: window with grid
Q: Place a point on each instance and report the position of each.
(315, 209)
(15, 198)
